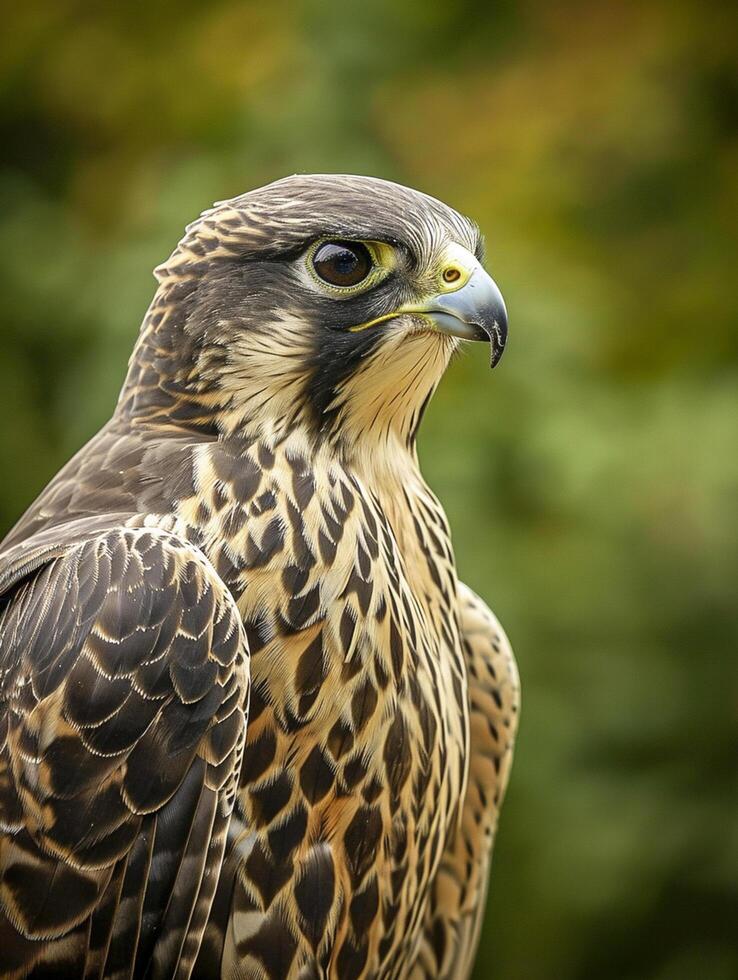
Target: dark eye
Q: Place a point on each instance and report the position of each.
(342, 263)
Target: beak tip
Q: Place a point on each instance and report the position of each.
(498, 340)
(489, 314)
(493, 326)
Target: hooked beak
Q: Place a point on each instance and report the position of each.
(468, 304)
(476, 311)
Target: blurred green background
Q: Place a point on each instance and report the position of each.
(591, 482)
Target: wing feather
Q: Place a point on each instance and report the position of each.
(123, 694)
(458, 897)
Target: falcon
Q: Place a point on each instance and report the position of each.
(251, 724)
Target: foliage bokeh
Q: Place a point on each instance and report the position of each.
(591, 482)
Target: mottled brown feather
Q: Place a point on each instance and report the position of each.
(254, 507)
(113, 799)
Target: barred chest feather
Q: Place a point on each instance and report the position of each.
(357, 736)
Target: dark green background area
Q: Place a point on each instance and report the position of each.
(591, 481)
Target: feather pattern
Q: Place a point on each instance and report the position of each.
(124, 685)
(251, 535)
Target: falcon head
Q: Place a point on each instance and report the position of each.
(325, 300)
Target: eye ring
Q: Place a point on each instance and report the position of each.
(342, 264)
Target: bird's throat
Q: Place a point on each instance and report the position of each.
(385, 397)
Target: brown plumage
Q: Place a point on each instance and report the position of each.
(253, 517)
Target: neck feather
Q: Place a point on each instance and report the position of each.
(257, 382)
